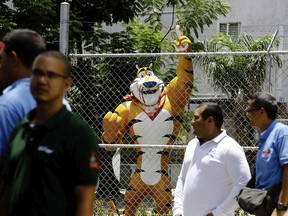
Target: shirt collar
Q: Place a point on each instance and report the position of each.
(16, 83)
(263, 136)
(218, 138)
(51, 122)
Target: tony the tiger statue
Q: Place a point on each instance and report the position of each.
(152, 114)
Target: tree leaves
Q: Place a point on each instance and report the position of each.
(6, 14)
(231, 73)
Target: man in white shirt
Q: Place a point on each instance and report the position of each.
(214, 169)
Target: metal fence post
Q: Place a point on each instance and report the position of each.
(64, 28)
(269, 65)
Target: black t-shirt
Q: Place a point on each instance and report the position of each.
(48, 161)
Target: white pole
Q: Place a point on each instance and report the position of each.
(64, 28)
(270, 84)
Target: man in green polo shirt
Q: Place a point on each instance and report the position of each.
(53, 160)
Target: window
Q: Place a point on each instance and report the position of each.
(232, 29)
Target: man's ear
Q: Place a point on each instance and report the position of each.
(68, 83)
(210, 119)
(16, 61)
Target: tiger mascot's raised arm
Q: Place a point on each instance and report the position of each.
(152, 115)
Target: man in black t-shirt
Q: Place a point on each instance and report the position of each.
(53, 160)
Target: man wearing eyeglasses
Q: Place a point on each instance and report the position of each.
(272, 155)
(18, 49)
(53, 162)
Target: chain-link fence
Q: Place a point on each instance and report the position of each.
(102, 81)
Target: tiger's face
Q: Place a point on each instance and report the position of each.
(147, 87)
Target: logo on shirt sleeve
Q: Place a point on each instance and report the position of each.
(94, 160)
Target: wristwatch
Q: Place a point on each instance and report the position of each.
(281, 207)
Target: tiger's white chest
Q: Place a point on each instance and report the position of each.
(152, 132)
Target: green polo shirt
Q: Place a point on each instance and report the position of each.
(47, 162)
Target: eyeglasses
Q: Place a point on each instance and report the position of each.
(251, 109)
(50, 75)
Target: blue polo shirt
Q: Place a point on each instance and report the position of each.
(15, 103)
(272, 155)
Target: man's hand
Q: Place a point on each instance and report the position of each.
(278, 213)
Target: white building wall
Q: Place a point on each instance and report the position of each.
(258, 18)
(258, 12)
